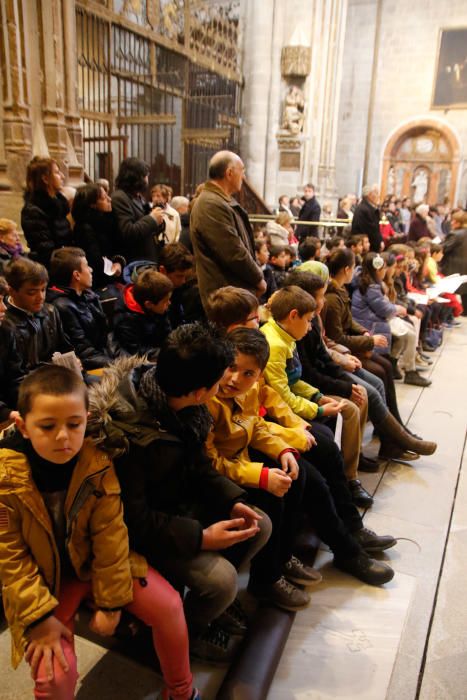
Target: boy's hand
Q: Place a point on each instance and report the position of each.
(45, 642)
(310, 439)
(250, 516)
(278, 482)
(380, 341)
(358, 395)
(104, 622)
(226, 533)
(289, 464)
(332, 409)
(356, 363)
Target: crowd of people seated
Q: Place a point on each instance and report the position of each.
(166, 422)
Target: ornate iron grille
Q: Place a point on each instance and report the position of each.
(161, 103)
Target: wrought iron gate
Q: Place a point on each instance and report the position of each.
(153, 93)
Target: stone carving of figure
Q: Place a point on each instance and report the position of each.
(294, 106)
(391, 181)
(420, 182)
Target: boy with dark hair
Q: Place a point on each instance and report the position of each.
(63, 540)
(309, 249)
(177, 263)
(355, 243)
(10, 364)
(79, 307)
(35, 324)
(181, 514)
(268, 463)
(277, 263)
(229, 307)
(141, 322)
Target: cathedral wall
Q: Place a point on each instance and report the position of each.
(405, 76)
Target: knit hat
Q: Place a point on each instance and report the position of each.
(316, 267)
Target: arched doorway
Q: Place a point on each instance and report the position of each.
(421, 161)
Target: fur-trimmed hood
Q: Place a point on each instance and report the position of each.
(117, 413)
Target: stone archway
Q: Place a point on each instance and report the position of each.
(421, 161)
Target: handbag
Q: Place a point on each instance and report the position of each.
(398, 327)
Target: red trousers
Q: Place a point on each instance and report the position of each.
(158, 605)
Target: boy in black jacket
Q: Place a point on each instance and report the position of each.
(35, 324)
(79, 307)
(141, 321)
(10, 364)
(181, 514)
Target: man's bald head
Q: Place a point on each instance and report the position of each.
(220, 162)
(227, 170)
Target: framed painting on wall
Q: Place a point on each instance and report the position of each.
(450, 88)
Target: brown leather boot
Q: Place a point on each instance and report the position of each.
(392, 431)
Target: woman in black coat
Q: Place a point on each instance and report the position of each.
(96, 232)
(44, 215)
(141, 228)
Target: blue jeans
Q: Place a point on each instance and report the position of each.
(377, 408)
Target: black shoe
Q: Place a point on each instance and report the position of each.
(296, 571)
(397, 454)
(365, 569)
(428, 348)
(367, 464)
(360, 496)
(234, 619)
(215, 646)
(282, 594)
(371, 542)
(413, 377)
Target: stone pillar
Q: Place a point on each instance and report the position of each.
(16, 118)
(257, 47)
(323, 95)
(72, 120)
(53, 88)
(335, 48)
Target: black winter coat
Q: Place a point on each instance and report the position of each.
(310, 211)
(318, 368)
(136, 332)
(11, 372)
(170, 490)
(45, 226)
(139, 232)
(37, 335)
(98, 236)
(366, 220)
(85, 323)
(185, 237)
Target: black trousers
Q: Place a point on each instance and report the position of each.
(285, 513)
(327, 501)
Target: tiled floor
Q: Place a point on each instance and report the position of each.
(400, 642)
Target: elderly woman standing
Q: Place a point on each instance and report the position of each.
(419, 227)
(280, 231)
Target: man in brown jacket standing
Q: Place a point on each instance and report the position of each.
(221, 233)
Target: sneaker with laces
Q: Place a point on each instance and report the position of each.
(215, 646)
(283, 594)
(371, 542)
(297, 572)
(234, 619)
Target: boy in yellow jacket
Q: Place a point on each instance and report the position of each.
(252, 452)
(63, 539)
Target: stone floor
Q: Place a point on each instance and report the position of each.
(401, 642)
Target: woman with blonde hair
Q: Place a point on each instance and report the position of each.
(280, 231)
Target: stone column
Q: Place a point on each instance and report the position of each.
(53, 88)
(335, 48)
(16, 119)
(257, 43)
(323, 95)
(72, 119)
